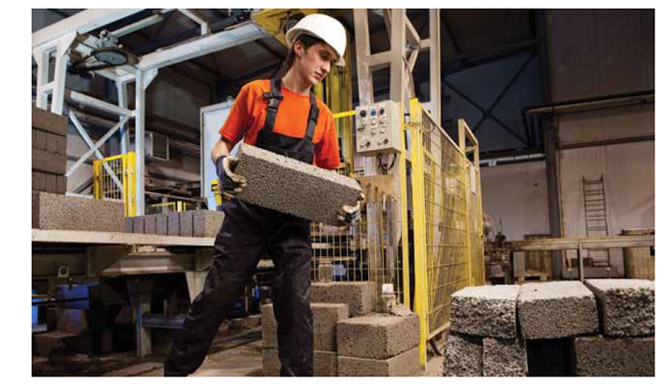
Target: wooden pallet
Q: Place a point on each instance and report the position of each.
(531, 276)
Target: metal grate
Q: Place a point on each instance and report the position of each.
(114, 180)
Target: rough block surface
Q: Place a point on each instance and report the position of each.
(271, 364)
(504, 358)
(45, 161)
(129, 225)
(377, 336)
(162, 226)
(401, 365)
(627, 306)
(173, 224)
(47, 121)
(186, 224)
(601, 356)
(207, 223)
(325, 363)
(55, 211)
(485, 311)
(150, 224)
(294, 187)
(463, 356)
(326, 316)
(358, 295)
(556, 310)
(139, 225)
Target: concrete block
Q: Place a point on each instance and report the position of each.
(556, 309)
(39, 139)
(161, 226)
(268, 326)
(294, 187)
(627, 306)
(325, 363)
(50, 182)
(207, 223)
(401, 365)
(504, 358)
(251, 321)
(600, 356)
(173, 224)
(45, 342)
(377, 336)
(73, 321)
(325, 271)
(47, 121)
(186, 223)
(271, 363)
(129, 225)
(485, 311)
(60, 144)
(61, 184)
(55, 211)
(51, 142)
(358, 295)
(49, 162)
(326, 316)
(150, 224)
(550, 357)
(463, 356)
(139, 225)
(37, 181)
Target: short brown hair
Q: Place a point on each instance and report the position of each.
(307, 41)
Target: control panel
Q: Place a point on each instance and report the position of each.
(378, 128)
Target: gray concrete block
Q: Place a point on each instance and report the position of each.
(627, 306)
(37, 181)
(51, 140)
(39, 139)
(485, 311)
(186, 224)
(50, 182)
(504, 358)
(60, 144)
(48, 162)
(294, 187)
(463, 356)
(150, 224)
(268, 326)
(358, 295)
(139, 225)
(271, 364)
(404, 364)
(325, 363)
(129, 225)
(326, 316)
(47, 121)
(377, 336)
(173, 224)
(56, 211)
(556, 309)
(207, 223)
(600, 356)
(161, 224)
(61, 184)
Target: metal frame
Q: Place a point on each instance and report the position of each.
(58, 39)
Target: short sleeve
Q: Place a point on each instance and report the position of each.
(238, 120)
(327, 150)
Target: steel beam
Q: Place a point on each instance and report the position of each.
(575, 243)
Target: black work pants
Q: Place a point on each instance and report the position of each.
(247, 232)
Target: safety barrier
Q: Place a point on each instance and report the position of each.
(114, 179)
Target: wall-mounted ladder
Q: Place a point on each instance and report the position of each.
(595, 216)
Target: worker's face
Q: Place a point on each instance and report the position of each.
(314, 63)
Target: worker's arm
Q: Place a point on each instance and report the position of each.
(220, 148)
(225, 165)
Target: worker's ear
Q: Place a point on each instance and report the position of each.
(298, 48)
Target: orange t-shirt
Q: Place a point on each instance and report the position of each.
(248, 116)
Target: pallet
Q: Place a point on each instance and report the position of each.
(531, 276)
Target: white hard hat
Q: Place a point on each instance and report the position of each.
(323, 27)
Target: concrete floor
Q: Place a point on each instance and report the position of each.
(234, 353)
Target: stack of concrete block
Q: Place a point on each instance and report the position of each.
(290, 186)
(484, 339)
(196, 223)
(55, 211)
(325, 319)
(49, 151)
(359, 295)
(627, 315)
(378, 345)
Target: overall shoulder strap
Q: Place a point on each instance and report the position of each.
(313, 116)
(274, 98)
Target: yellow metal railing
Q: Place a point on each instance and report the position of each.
(169, 207)
(114, 179)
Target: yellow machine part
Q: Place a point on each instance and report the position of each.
(123, 167)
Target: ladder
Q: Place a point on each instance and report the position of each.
(595, 216)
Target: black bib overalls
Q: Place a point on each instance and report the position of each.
(249, 231)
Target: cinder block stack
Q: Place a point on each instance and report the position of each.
(484, 338)
(325, 317)
(49, 151)
(495, 328)
(196, 223)
(626, 346)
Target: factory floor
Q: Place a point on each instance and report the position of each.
(234, 353)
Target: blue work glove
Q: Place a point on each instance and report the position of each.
(229, 182)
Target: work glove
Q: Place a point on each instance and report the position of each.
(229, 182)
(350, 214)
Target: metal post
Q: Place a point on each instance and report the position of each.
(121, 86)
(60, 74)
(435, 64)
(143, 80)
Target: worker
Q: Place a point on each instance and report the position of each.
(283, 116)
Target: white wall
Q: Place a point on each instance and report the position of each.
(516, 194)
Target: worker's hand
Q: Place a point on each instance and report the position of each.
(350, 214)
(229, 182)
